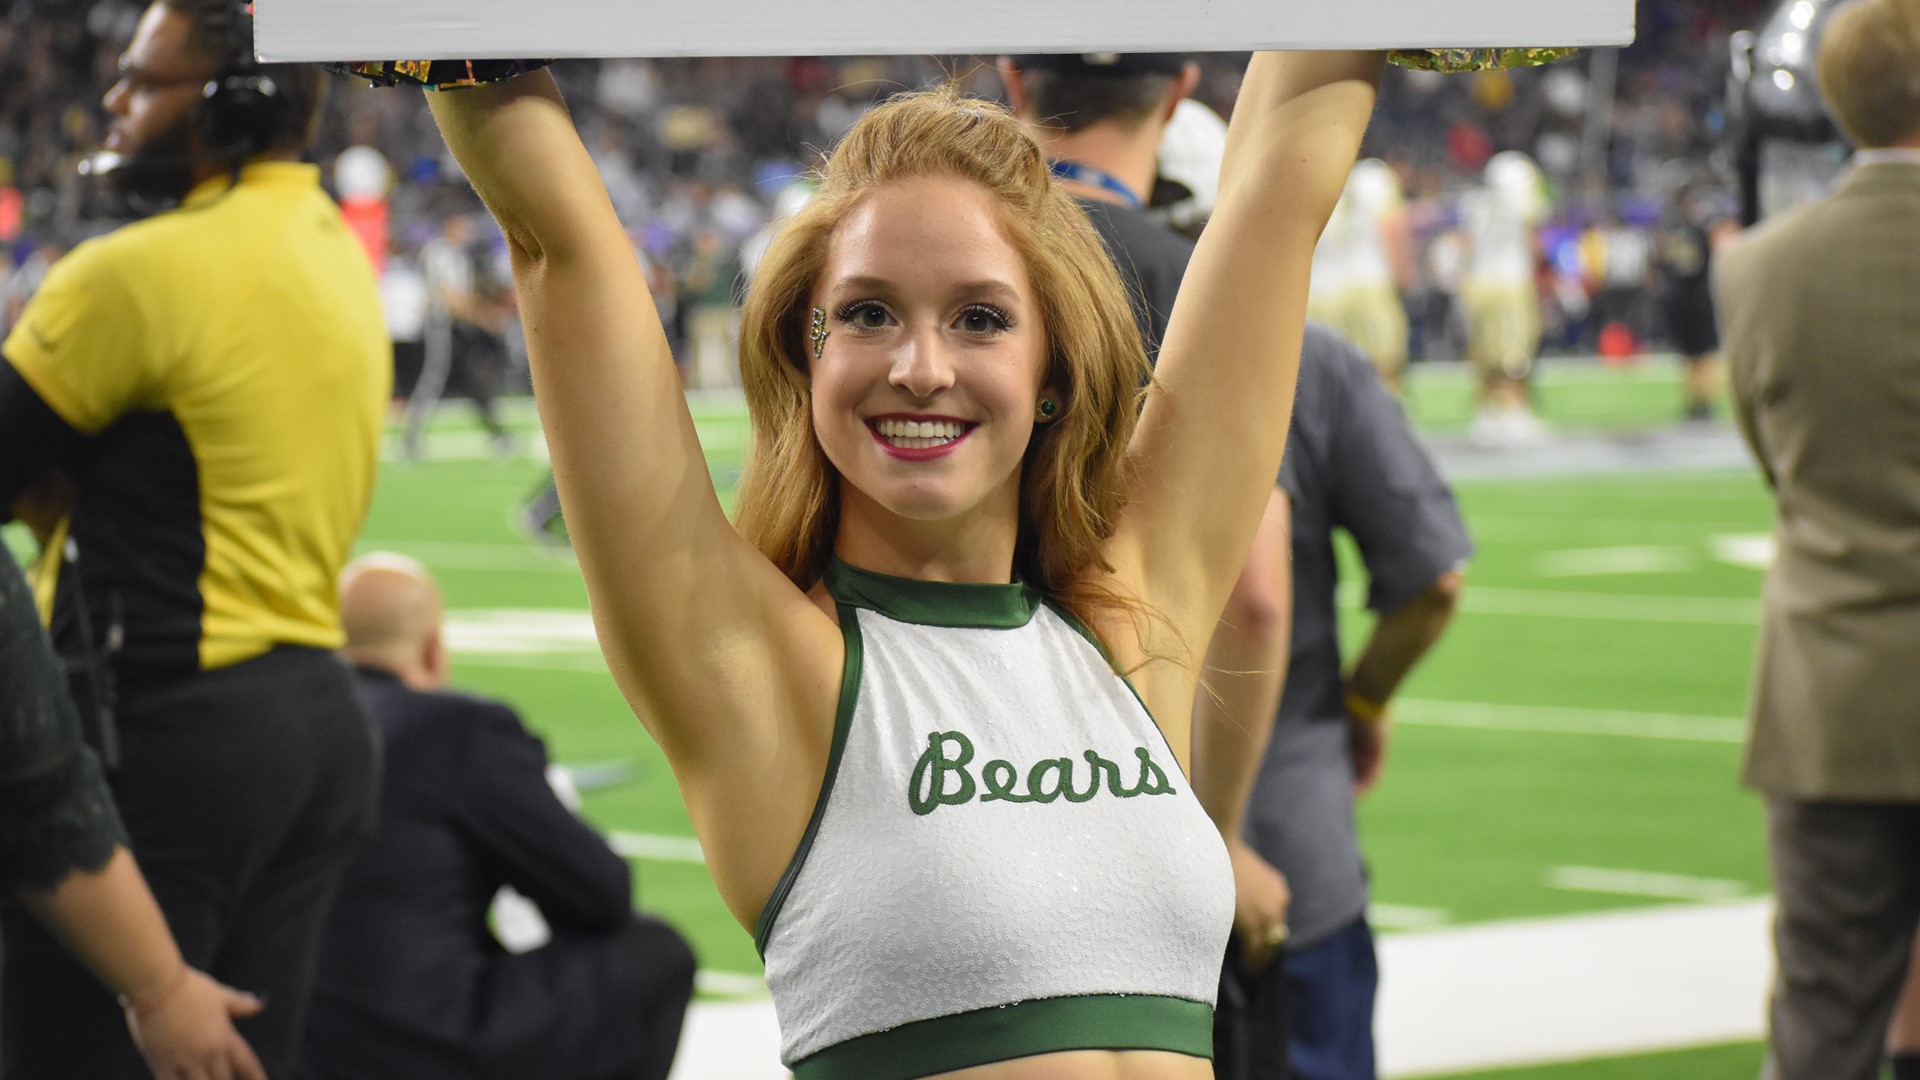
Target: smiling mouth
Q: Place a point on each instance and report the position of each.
(919, 434)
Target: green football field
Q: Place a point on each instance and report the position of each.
(1579, 720)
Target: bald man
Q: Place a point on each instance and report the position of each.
(412, 984)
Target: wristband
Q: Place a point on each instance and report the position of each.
(1364, 709)
(438, 74)
(150, 1003)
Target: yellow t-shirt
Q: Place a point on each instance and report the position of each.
(230, 362)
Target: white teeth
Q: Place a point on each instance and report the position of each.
(940, 430)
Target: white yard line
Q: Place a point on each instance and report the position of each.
(635, 845)
(730, 983)
(1403, 917)
(460, 555)
(1634, 559)
(580, 663)
(1612, 607)
(1596, 879)
(1573, 988)
(1604, 606)
(1554, 720)
(1754, 551)
(1529, 991)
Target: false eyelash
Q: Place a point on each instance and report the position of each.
(1000, 318)
(846, 311)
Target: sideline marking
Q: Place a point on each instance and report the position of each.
(733, 984)
(1560, 720)
(521, 631)
(1403, 917)
(1475, 997)
(1588, 562)
(1596, 879)
(635, 845)
(1607, 606)
(460, 555)
(1617, 607)
(1752, 550)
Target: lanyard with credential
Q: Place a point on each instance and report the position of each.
(1092, 177)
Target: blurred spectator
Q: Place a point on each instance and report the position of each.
(463, 338)
(1500, 297)
(1618, 258)
(708, 291)
(1361, 266)
(1685, 246)
(412, 985)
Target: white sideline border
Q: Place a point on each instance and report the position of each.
(306, 30)
(1531, 991)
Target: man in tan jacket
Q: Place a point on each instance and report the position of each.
(1821, 313)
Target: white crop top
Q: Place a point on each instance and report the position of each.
(1004, 859)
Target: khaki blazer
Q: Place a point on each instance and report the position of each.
(1820, 318)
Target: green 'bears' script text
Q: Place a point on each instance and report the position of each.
(941, 777)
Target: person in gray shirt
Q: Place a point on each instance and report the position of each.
(1279, 768)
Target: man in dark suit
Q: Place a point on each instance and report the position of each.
(1820, 316)
(411, 983)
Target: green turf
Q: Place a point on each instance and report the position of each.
(1580, 395)
(1734, 1061)
(1468, 823)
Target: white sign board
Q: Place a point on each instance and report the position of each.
(306, 30)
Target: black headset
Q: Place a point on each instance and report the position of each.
(243, 110)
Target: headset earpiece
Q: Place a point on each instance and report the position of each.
(241, 114)
(243, 109)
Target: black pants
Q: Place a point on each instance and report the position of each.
(1846, 879)
(1250, 1021)
(245, 791)
(624, 997)
(602, 1006)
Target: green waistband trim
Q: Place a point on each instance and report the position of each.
(933, 603)
(1044, 1026)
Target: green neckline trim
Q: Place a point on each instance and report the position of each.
(1023, 1029)
(842, 724)
(934, 603)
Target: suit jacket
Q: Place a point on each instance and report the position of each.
(1820, 314)
(411, 982)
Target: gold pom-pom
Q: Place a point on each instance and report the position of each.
(1455, 60)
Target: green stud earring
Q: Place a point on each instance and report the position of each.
(818, 332)
(1047, 409)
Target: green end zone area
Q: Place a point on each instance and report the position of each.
(1582, 714)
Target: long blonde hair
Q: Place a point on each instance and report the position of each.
(1072, 482)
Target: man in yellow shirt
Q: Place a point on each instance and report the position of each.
(205, 389)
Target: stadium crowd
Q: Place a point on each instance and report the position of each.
(698, 152)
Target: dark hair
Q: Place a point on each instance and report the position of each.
(1076, 102)
(223, 32)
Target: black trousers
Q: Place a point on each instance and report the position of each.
(624, 998)
(1250, 1021)
(245, 791)
(602, 1006)
(1846, 879)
